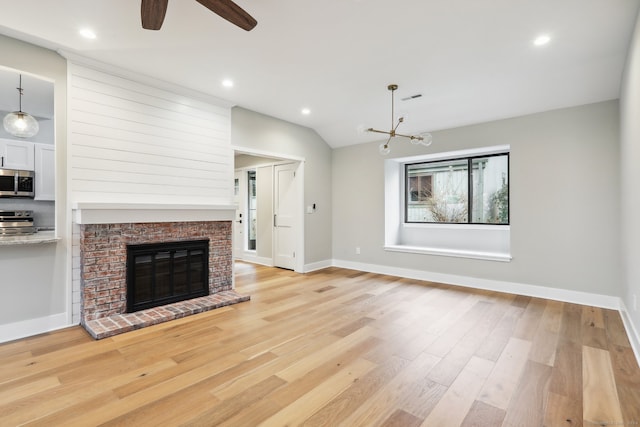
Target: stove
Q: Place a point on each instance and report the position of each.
(16, 222)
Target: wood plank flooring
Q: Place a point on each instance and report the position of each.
(336, 348)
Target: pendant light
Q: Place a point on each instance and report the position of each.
(19, 123)
(422, 139)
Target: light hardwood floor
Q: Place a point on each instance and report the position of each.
(336, 347)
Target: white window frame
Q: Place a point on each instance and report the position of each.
(476, 241)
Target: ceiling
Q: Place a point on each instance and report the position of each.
(471, 60)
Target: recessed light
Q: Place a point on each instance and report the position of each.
(87, 33)
(227, 83)
(542, 40)
(306, 111)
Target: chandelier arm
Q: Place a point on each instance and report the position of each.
(378, 131)
(394, 129)
(419, 138)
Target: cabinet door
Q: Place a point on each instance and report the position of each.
(16, 155)
(45, 162)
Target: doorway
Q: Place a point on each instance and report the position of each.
(270, 217)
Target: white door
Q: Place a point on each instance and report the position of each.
(284, 220)
(239, 199)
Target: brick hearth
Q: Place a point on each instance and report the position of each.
(103, 291)
(120, 323)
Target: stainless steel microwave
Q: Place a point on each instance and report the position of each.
(17, 183)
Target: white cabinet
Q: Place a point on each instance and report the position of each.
(16, 154)
(45, 162)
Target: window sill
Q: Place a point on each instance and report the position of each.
(465, 226)
(488, 256)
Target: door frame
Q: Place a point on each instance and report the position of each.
(299, 188)
(239, 246)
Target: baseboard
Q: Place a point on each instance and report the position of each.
(575, 297)
(308, 268)
(26, 328)
(632, 332)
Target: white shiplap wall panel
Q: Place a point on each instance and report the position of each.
(130, 142)
(145, 124)
(116, 88)
(167, 152)
(200, 170)
(176, 114)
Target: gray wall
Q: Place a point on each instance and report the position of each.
(564, 200)
(248, 161)
(630, 176)
(257, 131)
(34, 277)
(264, 232)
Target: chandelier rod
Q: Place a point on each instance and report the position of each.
(393, 88)
(20, 96)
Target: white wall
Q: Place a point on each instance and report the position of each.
(132, 142)
(34, 295)
(564, 188)
(630, 178)
(255, 131)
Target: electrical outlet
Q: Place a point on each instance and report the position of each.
(357, 250)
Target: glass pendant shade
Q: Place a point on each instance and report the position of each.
(427, 139)
(20, 124)
(384, 149)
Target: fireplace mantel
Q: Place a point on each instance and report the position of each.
(113, 213)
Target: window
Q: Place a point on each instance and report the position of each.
(457, 191)
(452, 203)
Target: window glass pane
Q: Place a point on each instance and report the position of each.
(438, 192)
(252, 212)
(491, 190)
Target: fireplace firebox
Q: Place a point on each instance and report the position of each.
(164, 273)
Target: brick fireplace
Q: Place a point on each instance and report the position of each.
(100, 266)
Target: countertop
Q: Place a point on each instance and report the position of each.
(30, 239)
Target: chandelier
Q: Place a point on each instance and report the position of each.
(421, 139)
(19, 123)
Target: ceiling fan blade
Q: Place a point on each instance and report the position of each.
(152, 13)
(231, 12)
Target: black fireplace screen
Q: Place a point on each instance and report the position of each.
(163, 273)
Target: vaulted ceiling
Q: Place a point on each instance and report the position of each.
(470, 60)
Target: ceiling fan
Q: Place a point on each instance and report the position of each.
(153, 11)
